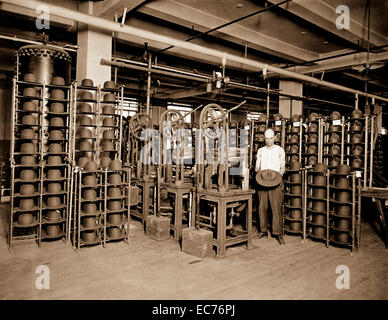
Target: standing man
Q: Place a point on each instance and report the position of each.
(270, 158)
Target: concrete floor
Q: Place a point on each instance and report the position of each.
(148, 269)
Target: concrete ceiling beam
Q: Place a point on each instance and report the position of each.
(324, 16)
(188, 16)
(108, 8)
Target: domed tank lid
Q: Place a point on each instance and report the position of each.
(44, 50)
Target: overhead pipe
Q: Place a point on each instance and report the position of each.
(148, 86)
(129, 64)
(67, 47)
(249, 64)
(143, 67)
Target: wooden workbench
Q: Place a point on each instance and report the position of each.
(378, 195)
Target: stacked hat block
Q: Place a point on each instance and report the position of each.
(117, 202)
(294, 137)
(90, 206)
(334, 140)
(26, 161)
(278, 125)
(111, 121)
(317, 202)
(260, 125)
(379, 155)
(56, 156)
(38, 110)
(294, 199)
(312, 136)
(356, 147)
(97, 142)
(87, 123)
(84, 142)
(343, 222)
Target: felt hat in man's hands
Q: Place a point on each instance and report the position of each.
(268, 178)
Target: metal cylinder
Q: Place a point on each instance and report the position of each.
(42, 62)
(42, 67)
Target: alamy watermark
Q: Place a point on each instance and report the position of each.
(43, 17)
(343, 280)
(43, 280)
(343, 20)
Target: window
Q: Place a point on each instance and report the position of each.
(130, 107)
(253, 115)
(183, 108)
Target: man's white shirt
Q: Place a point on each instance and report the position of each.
(270, 158)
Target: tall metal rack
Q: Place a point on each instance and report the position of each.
(345, 212)
(97, 122)
(56, 163)
(359, 140)
(294, 140)
(294, 210)
(117, 204)
(90, 208)
(31, 161)
(333, 211)
(25, 165)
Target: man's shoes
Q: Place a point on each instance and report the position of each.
(262, 235)
(281, 240)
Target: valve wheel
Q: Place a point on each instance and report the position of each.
(212, 120)
(170, 122)
(138, 123)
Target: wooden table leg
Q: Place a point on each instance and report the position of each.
(146, 196)
(249, 222)
(383, 222)
(178, 215)
(221, 228)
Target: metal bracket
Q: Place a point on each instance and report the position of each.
(124, 16)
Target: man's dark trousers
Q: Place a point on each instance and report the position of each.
(271, 198)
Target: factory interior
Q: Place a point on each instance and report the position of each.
(130, 133)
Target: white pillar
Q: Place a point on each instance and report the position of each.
(286, 107)
(93, 45)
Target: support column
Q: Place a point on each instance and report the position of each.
(93, 45)
(287, 107)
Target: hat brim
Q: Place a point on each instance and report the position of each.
(275, 181)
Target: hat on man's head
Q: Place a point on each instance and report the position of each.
(268, 178)
(269, 133)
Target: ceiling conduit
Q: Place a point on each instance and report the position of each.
(249, 64)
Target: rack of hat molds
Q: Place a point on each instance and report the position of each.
(294, 211)
(117, 204)
(313, 140)
(295, 131)
(97, 142)
(102, 204)
(40, 154)
(98, 121)
(333, 212)
(359, 145)
(333, 140)
(350, 140)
